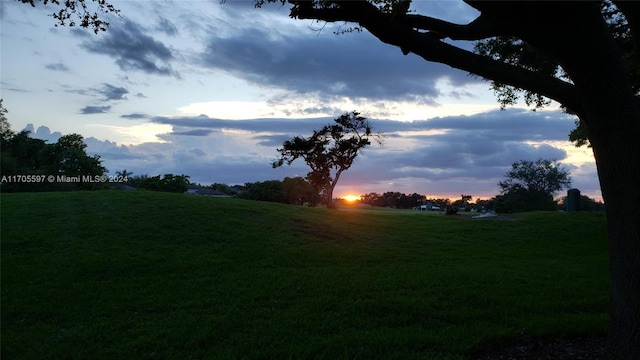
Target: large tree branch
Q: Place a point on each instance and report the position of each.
(391, 31)
(478, 29)
(305, 9)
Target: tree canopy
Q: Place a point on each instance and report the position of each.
(531, 185)
(329, 151)
(544, 176)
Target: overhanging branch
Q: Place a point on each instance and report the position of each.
(394, 31)
(478, 29)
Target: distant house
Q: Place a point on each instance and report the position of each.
(428, 207)
(123, 187)
(199, 190)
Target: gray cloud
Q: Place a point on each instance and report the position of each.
(133, 50)
(274, 141)
(485, 128)
(111, 92)
(356, 65)
(95, 110)
(511, 124)
(108, 92)
(198, 132)
(134, 116)
(254, 125)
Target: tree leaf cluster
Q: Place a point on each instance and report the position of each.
(77, 13)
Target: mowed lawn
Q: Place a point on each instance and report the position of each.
(145, 275)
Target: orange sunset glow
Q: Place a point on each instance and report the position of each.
(351, 198)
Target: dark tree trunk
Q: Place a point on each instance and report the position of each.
(575, 34)
(580, 40)
(329, 190)
(617, 157)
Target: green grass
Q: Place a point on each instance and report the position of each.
(115, 275)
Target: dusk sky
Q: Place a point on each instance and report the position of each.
(211, 90)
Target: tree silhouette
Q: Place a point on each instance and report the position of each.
(596, 79)
(329, 151)
(544, 176)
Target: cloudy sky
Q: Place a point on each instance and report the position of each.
(211, 90)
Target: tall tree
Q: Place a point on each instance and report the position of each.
(531, 185)
(124, 173)
(595, 83)
(544, 176)
(68, 156)
(329, 151)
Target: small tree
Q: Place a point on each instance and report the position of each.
(531, 186)
(68, 156)
(299, 191)
(329, 151)
(168, 183)
(270, 190)
(124, 173)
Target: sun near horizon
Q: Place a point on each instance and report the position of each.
(351, 198)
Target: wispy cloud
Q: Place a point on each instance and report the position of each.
(167, 27)
(57, 67)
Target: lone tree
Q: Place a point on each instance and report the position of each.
(329, 151)
(531, 185)
(596, 77)
(543, 176)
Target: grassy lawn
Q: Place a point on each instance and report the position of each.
(123, 275)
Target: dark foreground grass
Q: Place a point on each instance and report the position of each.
(115, 275)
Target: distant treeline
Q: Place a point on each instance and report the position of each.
(29, 164)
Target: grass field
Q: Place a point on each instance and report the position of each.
(145, 275)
